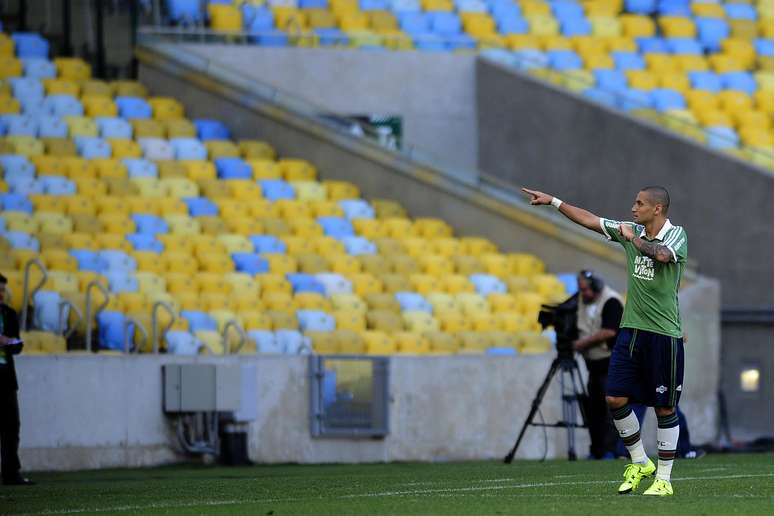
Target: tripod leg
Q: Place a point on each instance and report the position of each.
(568, 410)
(535, 406)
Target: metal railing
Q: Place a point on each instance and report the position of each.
(240, 332)
(131, 322)
(155, 333)
(27, 296)
(89, 314)
(64, 316)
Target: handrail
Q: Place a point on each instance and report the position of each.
(155, 334)
(89, 315)
(241, 332)
(26, 288)
(128, 321)
(62, 322)
(302, 347)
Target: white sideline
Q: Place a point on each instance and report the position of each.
(214, 503)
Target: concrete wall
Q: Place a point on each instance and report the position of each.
(534, 134)
(89, 411)
(433, 93)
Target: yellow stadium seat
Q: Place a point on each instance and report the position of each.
(383, 21)
(420, 322)
(437, 5)
(26, 145)
(166, 108)
(320, 19)
(147, 128)
(148, 261)
(61, 87)
(256, 150)
(225, 18)
(753, 120)
(522, 42)
(128, 89)
(198, 170)
(72, 68)
(61, 147)
(677, 27)
(409, 342)
(731, 101)
(755, 137)
(542, 25)
(387, 209)
(722, 63)
(221, 149)
(81, 126)
(341, 190)
(435, 342)
(96, 88)
(125, 148)
(10, 67)
(55, 223)
(605, 26)
(675, 81)
(743, 29)
(7, 46)
(99, 106)
(379, 343)
(179, 128)
(642, 80)
(635, 26)
(364, 284)
(457, 283)
(475, 246)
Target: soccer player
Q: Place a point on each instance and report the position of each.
(647, 360)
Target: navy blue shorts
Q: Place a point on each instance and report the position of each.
(646, 367)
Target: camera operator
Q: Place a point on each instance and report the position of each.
(600, 309)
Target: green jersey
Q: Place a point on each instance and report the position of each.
(651, 298)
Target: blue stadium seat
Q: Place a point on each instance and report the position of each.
(20, 125)
(145, 242)
(182, 343)
(116, 261)
(330, 36)
(684, 46)
(429, 42)
(356, 246)
(564, 60)
(721, 137)
(276, 189)
(156, 149)
(315, 4)
(15, 202)
(189, 149)
(27, 87)
(201, 207)
(270, 38)
(415, 23)
(652, 45)
(133, 107)
(570, 282)
(265, 341)
(24, 185)
(630, 99)
(708, 81)
(138, 167)
(292, 342)
(211, 130)
(411, 301)
(199, 321)
(250, 263)
(512, 24)
(30, 45)
(674, 8)
(486, 284)
(185, 12)
(741, 12)
(149, 224)
(114, 127)
(505, 9)
(52, 127)
(315, 320)
(17, 165)
(268, 244)
(501, 351)
(121, 281)
(38, 68)
(567, 10)
(602, 96)
(357, 209)
(527, 59)
(87, 260)
(34, 107)
(665, 99)
(460, 41)
(334, 283)
(233, 168)
(21, 240)
(740, 81)
(259, 19)
(575, 26)
(640, 6)
(611, 80)
(711, 31)
(92, 147)
(63, 105)
(374, 5)
(764, 47)
(46, 316)
(111, 330)
(445, 23)
(57, 185)
(628, 61)
(301, 282)
(337, 227)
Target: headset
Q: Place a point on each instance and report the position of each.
(597, 284)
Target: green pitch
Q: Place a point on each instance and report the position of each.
(721, 484)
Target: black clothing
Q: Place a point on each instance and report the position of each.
(9, 404)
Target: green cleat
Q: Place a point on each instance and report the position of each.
(660, 488)
(633, 474)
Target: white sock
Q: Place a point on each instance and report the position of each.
(667, 447)
(629, 430)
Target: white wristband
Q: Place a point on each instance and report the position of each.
(556, 202)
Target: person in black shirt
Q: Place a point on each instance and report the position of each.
(10, 345)
(600, 309)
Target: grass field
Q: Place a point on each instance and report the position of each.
(714, 485)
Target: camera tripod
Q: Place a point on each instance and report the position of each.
(569, 372)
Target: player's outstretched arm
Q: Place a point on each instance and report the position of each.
(578, 215)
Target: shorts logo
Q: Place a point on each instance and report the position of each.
(679, 388)
(661, 389)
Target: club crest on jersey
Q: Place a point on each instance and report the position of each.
(661, 389)
(643, 268)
